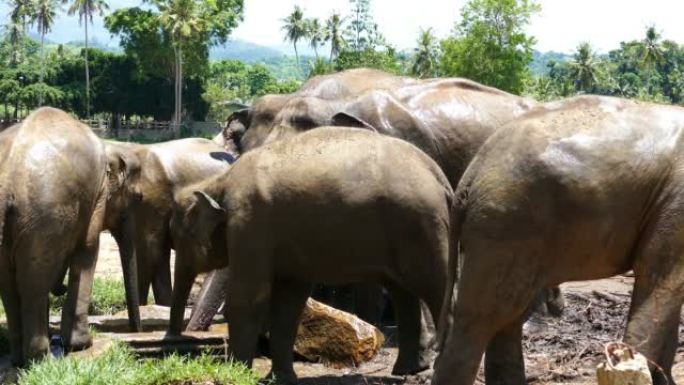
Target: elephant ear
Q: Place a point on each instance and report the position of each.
(343, 119)
(205, 214)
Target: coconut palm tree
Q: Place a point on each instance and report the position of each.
(314, 31)
(653, 51)
(86, 9)
(44, 16)
(294, 27)
(182, 19)
(20, 11)
(334, 34)
(426, 54)
(584, 68)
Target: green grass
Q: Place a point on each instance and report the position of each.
(108, 297)
(119, 366)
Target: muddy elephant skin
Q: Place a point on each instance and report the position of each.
(140, 224)
(53, 190)
(580, 189)
(334, 205)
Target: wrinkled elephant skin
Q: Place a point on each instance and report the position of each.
(53, 187)
(287, 223)
(580, 189)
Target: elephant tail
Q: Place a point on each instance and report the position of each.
(458, 206)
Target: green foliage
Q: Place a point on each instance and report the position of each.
(426, 55)
(231, 82)
(119, 366)
(295, 28)
(383, 60)
(362, 32)
(649, 70)
(490, 44)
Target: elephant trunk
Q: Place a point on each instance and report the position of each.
(209, 301)
(184, 277)
(129, 264)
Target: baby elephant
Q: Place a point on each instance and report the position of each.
(333, 206)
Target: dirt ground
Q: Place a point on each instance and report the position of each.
(557, 351)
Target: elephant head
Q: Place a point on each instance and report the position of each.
(198, 234)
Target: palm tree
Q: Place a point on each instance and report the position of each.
(653, 51)
(295, 28)
(86, 9)
(44, 17)
(584, 68)
(20, 11)
(182, 19)
(314, 31)
(333, 33)
(426, 54)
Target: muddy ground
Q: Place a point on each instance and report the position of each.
(557, 351)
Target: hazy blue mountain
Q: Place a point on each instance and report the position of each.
(243, 51)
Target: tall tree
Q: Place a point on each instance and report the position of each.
(21, 11)
(294, 27)
(653, 50)
(585, 68)
(333, 34)
(86, 9)
(314, 31)
(44, 17)
(426, 55)
(490, 44)
(362, 32)
(182, 19)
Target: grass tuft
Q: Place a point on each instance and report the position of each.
(119, 366)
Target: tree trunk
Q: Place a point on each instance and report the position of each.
(42, 66)
(297, 57)
(177, 92)
(87, 71)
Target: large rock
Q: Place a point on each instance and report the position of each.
(623, 366)
(335, 337)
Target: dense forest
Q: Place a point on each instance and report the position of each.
(187, 68)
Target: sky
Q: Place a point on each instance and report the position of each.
(560, 26)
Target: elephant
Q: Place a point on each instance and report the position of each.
(333, 205)
(449, 119)
(580, 189)
(140, 225)
(53, 191)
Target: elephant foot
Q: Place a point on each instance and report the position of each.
(80, 341)
(406, 366)
(279, 379)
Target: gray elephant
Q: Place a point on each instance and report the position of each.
(333, 205)
(140, 224)
(53, 191)
(449, 119)
(580, 189)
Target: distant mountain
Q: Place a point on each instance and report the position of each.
(244, 51)
(540, 61)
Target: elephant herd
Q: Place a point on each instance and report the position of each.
(464, 202)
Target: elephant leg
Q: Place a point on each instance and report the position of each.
(249, 293)
(209, 300)
(414, 348)
(150, 251)
(368, 302)
(653, 321)
(124, 237)
(504, 362)
(74, 326)
(287, 302)
(161, 280)
(10, 300)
